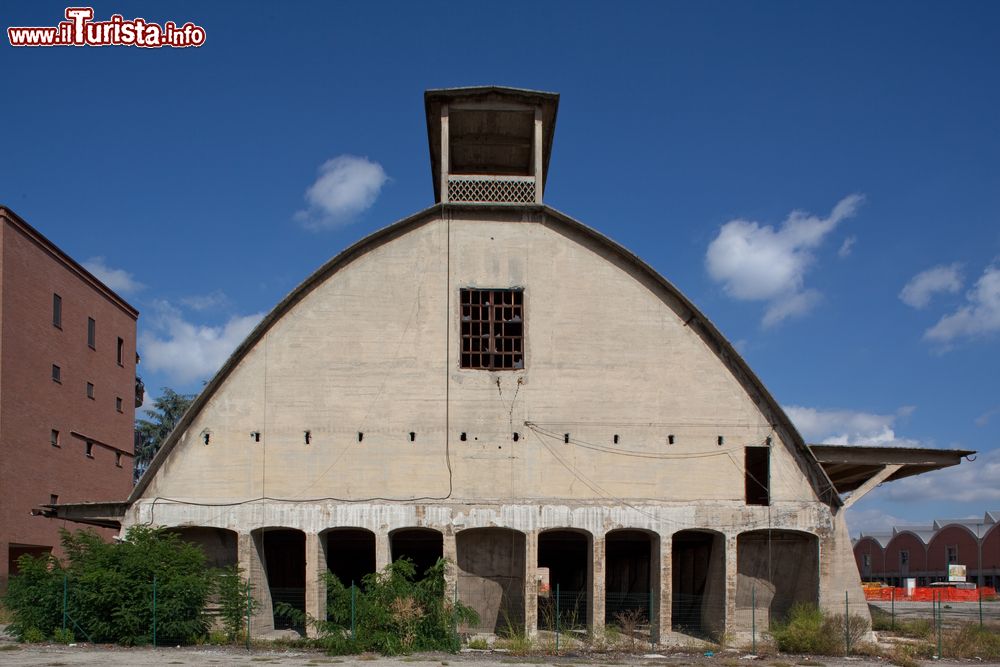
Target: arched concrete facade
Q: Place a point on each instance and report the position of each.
(631, 412)
(776, 570)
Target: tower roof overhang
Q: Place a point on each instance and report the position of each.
(491, 129)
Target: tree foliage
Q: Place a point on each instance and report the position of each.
(109, 589)
(167, 410)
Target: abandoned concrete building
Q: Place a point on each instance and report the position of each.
(492, 381)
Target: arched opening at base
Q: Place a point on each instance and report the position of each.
(282, 552)
(491, 578)
(631, 588)
(350, 554)
(565, 555)
(776, 569)
(698, 566)
(218, 544)
(423, 546)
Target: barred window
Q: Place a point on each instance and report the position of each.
(492, 329)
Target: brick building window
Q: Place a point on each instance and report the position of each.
(121, 352)
(951, 553)
(57, 311)
(90, 390)
(866, 561)
(54, 438)
(53, 499)
(92, 333)
(492, 329)
(904, 558)
(56, 373)
(118, 459)
(118, 403)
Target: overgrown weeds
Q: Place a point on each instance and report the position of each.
(391, 613)
(811, 630)
(915, 628)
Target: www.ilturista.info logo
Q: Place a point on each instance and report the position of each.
(79, 29)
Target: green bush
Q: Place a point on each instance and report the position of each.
(394, 613)
(109, 588)
(235, 600)
(810, 630)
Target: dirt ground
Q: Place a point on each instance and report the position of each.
(17, 655)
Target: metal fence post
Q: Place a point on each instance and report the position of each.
(753, 618)
(892, 595)
(353, 603)
(939, 624)
(847, 623)
(980, 607)
(248, 613)
(652, 645)
(557, 617)
(154, 611)
(66, 596)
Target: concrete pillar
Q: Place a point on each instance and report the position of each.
(449, 549)
(383, 550)
(251, 563)
(731, 580)
(596, 586)
(531, 583)
(661, 563)
(315, 580)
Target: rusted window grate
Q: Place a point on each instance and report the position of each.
(493, 329)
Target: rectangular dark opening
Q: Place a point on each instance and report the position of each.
(758, 476)
(492, 329)
(57, 311)
(121, 352)
(56, 373)
(91, 333)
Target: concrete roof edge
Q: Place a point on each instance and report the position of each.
(292, 298)
(724, 350)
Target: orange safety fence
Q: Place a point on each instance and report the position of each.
(927, 594)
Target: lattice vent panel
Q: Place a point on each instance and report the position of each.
(492, 190)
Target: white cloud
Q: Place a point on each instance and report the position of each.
(984, 419)
(792, 305)
(942, 278)
(202, 302)
(758, 263)
(980, 316)
(118, 280)
(347, 186)
(870, 520)
(847, 247)
(970, 481)
(850, 427)
(185, 351)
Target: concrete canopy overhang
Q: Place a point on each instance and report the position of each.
(104, 515)
(850, 468)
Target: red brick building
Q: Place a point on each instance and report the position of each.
(67, 389)
(925, 552)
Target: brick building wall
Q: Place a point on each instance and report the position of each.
(68, 439)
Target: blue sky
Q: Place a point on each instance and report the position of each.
(821, 179)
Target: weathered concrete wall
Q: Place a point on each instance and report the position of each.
(373, 350)
(491, 575)
(371, 354)
(776, 570)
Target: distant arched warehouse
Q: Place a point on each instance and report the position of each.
(492, 381)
